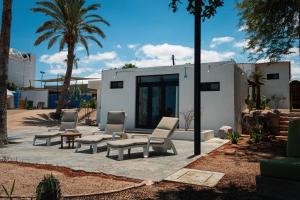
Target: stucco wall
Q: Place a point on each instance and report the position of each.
(279, 87)
(36, 96)
(217, 106)
(21, 71)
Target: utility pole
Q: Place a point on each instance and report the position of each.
(197, 80)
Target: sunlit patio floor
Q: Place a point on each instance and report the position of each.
(155, 168)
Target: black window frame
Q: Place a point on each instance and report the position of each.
(206, 87)
(273, 76)
(116, 84)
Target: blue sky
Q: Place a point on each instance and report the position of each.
(145, 33)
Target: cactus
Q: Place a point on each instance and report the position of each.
(48, 189)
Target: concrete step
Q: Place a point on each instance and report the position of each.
(282, 123)
(285, 133)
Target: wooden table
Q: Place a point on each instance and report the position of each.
(70, 135)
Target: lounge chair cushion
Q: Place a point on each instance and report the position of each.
(110, 128)
(116, 117)
(293, 145)
(48, 135)
(69, 117)
(90, 139)
(67, 125)
(131, 142)
(165, 127)
(287, 168)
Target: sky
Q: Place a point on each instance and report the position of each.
(144, 33)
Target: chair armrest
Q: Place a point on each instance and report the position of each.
(120, 134)
(53, 129)
(139, 135)
(97, 132)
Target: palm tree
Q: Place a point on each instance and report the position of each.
(257, 77)
(71, 22)
(4, 56)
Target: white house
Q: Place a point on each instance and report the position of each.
(21, 68)
(147, 94)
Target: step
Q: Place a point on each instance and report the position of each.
(282, 123)
(285, 133)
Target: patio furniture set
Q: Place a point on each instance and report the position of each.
(114, 135)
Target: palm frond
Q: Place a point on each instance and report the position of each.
(85, 44)
(44, 37)
(97, 17)
(62, 44)
(52, 41)
(95, 40)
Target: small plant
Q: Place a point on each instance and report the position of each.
(48, 189)
(250, 103)
(277, 100)
(9, 194)
(89, 106)
(234, 137)
(188, 118)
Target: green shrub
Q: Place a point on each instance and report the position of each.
(234, 137)
(48, 189)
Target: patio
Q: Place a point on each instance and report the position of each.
(155, 168)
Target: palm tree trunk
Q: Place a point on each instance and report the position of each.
(4, 56)
(258, 98)
(197, 80)
(66, 85)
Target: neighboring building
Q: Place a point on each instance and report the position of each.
(147, 94)
(21, 68)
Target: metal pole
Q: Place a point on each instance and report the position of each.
(197, 80)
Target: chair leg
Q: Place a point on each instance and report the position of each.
(146, 151)
(173, 148)
(34, 139)
(121, 154)
(94, 146)
(129, 152)
(108, 151)
(48, 141)
(77, 146)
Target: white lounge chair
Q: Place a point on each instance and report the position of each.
(69, 120)
(115, 129)
(159, 140)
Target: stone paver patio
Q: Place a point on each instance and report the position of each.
(155, 168)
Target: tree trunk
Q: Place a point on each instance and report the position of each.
(197, 80)
(66, 85)
(258, 98)
(4, 56)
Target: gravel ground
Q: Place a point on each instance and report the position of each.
(28, 176)
(240, 163)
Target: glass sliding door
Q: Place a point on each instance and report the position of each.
(157, 96)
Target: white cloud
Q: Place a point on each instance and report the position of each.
(220, 40)
(62, 70)
(98, 57)
(160, 55)
(118, 46)
(243, 28)
(166, 50)
(55, 59)
(133, 46)
(241, 44)
(79, 48)
(295, 70)
(215, 56)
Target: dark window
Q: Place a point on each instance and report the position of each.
(210, 86)
(116, 84)
(272, 76)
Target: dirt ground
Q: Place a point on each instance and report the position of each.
(240, 163)
(25, 119)
(27, 177)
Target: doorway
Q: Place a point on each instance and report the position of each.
(156, 97)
